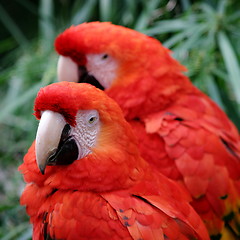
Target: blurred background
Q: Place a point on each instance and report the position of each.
(203, 35)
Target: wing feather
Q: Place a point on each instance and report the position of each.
(204, 146)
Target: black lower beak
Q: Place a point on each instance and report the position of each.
(84, 77)
(67, 151)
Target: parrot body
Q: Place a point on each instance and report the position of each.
(86, 179)
(181, 131)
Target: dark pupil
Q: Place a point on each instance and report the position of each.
(91, 119)
(104, 56)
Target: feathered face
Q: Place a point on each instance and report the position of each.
(82, 131)
(107, 55)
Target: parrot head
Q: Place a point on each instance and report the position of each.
(125, 63)
(82, 135)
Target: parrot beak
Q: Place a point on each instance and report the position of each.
(54, 145)
(67, 70)
(48, 137)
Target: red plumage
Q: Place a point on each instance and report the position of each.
(111, 193)
(181, 131)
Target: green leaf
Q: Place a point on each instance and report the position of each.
(32, 7)
(13, 233)
(12, 27)
(213, 91)
(185, 4)
(84, 12)
(105, 7)
(26, 234)
(207, 9)
(231, 63)
(6, 45)
(144, 18)
(15, 85)
(187, 38)
(233, 17)
(130, 13)
(221, 8)
(13, 105)
(166, 26)
(192, 39)
(220, 73)
(46, 22)
(6, 207)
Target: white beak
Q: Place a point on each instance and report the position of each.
(48, 137)
(67, 70)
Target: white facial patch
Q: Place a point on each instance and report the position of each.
(86, 131)
(103, 67)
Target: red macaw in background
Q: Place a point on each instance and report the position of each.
(86, 179)
(181, 131)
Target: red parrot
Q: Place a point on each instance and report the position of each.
(180, 130)
(86, 179)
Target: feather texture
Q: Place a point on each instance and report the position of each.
(112, 193)
(181, 132)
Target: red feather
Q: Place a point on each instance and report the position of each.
(112, 193)
(181, 132)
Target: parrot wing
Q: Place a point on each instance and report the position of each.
(156, 216)
(204, 151)
(64, 214)
(71, 215)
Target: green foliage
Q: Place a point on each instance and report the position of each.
(204, 36)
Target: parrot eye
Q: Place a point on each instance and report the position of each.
(93, 118)
(103, 68)
(104, 56)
